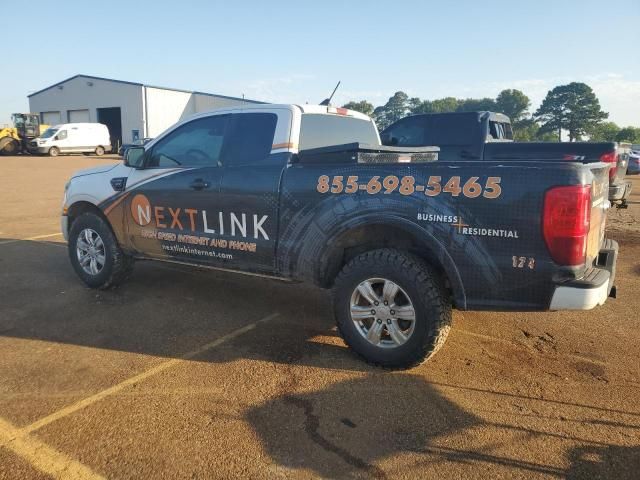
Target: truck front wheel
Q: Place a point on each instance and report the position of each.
(391, 308)
(95, 254)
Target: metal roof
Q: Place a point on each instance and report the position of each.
(143, 85)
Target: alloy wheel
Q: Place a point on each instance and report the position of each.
(382, 312)
(91, 251)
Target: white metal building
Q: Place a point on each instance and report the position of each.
(130, 110)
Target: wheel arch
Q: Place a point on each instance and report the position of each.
(82, 206)
(400, 234)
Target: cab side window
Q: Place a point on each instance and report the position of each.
(250, 138)
(62, 134)
(195, 144)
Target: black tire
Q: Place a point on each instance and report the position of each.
(117, 266)
(99, 151)
(425, 290)
(54, 152)
(9, 146)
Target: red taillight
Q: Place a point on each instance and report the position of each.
(612, 158)
(565, 223)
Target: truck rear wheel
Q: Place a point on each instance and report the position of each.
(95, 254)
(99, 151)
(391, 308)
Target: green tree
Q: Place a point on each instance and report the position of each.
(628, 134)
(514, 104)
(362, 106)
(397, 107)
(526, 130)
(603, 132)
(445, 105)
(476, 105)
(545, 136)
(573, 107)
(452, 104)
(414, 105)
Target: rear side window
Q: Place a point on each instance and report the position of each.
(250, 138)
(508, 132)
(500, 130)
(317, 130)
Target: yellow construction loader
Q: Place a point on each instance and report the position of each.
(26, 127)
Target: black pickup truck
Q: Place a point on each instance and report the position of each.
(400, 236)
(488, 136)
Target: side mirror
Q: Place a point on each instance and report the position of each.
(56, 138)
(134, 157)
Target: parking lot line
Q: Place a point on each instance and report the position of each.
(37, 237)
(41, 456)
(68, 410)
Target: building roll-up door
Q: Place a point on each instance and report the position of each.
(50, 118)
(78, 116)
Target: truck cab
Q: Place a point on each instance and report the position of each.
(217, 173)
(488, 136)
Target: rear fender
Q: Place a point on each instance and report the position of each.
(326, 262)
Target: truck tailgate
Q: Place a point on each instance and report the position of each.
(599, 206)
(622, 155)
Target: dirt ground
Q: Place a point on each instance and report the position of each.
(185, 373)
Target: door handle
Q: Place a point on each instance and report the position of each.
(199, 184)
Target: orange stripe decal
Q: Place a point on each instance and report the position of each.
(116, 203)
(275, 146)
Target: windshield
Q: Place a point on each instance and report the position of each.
(49, 132)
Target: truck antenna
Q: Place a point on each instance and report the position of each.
(327, 101)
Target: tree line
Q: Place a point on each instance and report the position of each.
(573, 108)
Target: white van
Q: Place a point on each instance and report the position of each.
(73, 138)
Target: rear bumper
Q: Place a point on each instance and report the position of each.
(619, 191)
(594, 287)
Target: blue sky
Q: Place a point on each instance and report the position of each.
(295, 51)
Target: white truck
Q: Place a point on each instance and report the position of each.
(73, 138)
